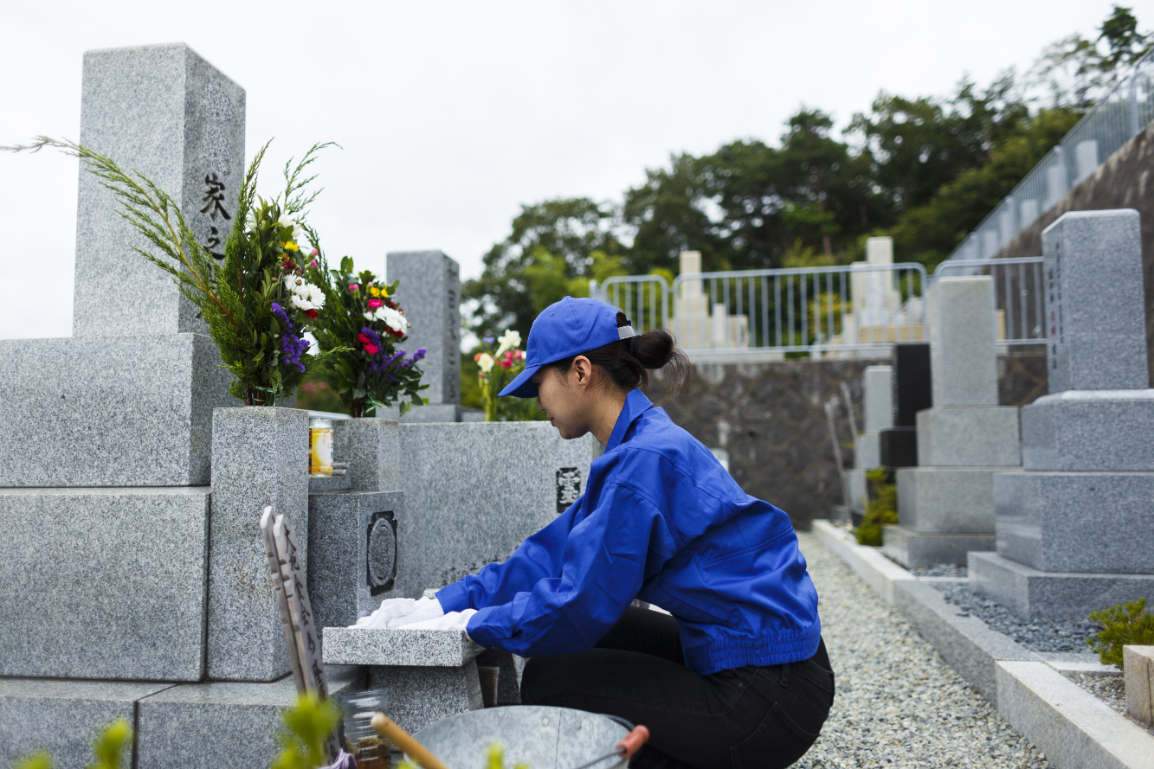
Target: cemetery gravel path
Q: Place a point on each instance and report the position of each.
(898, 704)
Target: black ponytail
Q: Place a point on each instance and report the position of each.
(628, 361)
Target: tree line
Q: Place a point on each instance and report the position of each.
(924, 170)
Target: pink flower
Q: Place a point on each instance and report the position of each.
(375, 303)
(371, 349)
(314, 252)
(363, 338)
(354, 287)
(506, 363)
(313, 263)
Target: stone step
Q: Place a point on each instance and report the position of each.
(1082, 522)
(104, 583)
(914, 549)
(1035, 594)
(1089, 430)
(947, 500)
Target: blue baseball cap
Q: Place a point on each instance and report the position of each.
(564, 329)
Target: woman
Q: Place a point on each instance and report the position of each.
(736, 675)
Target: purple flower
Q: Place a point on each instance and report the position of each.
(488, 340)
(291, 345)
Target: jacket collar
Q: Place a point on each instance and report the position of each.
(636, 404)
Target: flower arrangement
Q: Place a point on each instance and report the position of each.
(260, 301)
(362, 323)
(497, 368)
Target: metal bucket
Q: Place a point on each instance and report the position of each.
(542, 737)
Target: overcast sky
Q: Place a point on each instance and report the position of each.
(453, 114)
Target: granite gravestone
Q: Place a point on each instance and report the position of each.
(879, 416)
(912, 393)
(141, 413)
(1073, 527)
(127, 444)
(945, 504)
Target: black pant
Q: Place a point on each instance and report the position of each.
(747, 717)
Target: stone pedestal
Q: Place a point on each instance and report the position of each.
(104, 583)
(898, 442)
(879, 415)
(946, 504)
(259, 457)
(353, 548)
(430, 674)
(1074, 531)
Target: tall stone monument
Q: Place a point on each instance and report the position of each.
(1075, 527)
(112, 531)
(879, 415)
(945, 504)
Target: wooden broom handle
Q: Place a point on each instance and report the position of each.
(403, 740)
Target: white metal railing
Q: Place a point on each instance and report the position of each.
(1019, 295)
(1119, 117)
(771, 313)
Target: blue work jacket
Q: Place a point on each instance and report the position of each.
(660, 520)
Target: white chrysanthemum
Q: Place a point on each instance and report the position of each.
(391, 318)
(302, 295)
(485, 362)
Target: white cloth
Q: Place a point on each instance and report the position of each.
(390, 609)
(454, 620)
(426, 608)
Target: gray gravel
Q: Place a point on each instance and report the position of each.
(1064, 635)
(940, 570)
(898, 704)
(1109, 689)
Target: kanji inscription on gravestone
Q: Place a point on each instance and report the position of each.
(214, 192)
(568, 487)
(1054, 302)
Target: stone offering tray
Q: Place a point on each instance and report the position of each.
(398, 648)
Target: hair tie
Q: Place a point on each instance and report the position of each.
(633, 345)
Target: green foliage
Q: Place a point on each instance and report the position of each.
(1127, 624)
(305, 730)
(235, 298)
(109, 748)
(880, 510)
(361, 326)
(315, 394)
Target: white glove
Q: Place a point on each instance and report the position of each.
(454, 620)
(426, 608)
(390, 608)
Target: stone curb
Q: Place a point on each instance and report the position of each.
(1072, 727)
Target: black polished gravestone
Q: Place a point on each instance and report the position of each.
(912, 393)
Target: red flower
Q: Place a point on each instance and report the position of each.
(505, 363)
(375, 303)
(372, 349)
(364, 339)
(312, 314)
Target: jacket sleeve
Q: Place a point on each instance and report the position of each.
(605, 559)
(536, 558)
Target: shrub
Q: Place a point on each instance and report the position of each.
(880, 510)
(1126, 624)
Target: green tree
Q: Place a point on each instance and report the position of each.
(551, 244)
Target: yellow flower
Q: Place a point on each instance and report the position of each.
(290, 246)
(374, 291)
(385, 292)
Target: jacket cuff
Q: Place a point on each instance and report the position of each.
(454, 597)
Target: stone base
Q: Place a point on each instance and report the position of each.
(1076, 522)
(419, 696)
(352, 560)
(969, 436)
(1089, 430)
(914, 549)
(899, 447)
(118, 411)
(372, 448)
(1043, 594)
(104, 583)
(201, 725)
(947, 500)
